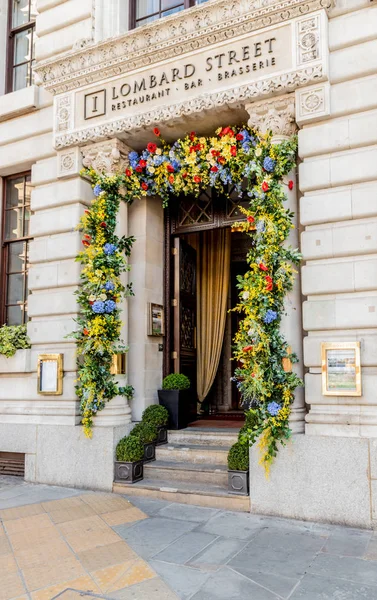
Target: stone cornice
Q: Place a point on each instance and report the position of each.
(185, 32)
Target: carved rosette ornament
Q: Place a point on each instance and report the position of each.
(107, 157)
(276, 115)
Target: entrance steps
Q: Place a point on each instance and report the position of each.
(191, 469)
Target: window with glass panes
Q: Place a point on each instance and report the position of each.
(16, 217)
(22, 14)
(146, 11)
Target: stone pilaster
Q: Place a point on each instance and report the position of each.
(278, 115)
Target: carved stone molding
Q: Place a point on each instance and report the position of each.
(196, 28)
(312, 103)
(107, 157)
(276, 115)
(245, 93)
(69, 162)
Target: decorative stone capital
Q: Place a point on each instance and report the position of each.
(276, 115)
(107, 157)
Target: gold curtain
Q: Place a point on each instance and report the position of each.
(212, 293)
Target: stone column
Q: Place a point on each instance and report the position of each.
(111, 157)
(278, 115)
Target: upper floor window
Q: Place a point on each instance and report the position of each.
(146, 11)
(22, 14)
(15, 251)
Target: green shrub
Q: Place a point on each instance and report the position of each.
(13, 338)
(156, 414)
(176, 381)
(238, 457)
(130, 449)
(251, 422)
(146, 432)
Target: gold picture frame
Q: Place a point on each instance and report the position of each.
(50, 374)
(119, 364)
(156, 319)
(341, 369)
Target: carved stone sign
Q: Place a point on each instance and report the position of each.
(223, 66)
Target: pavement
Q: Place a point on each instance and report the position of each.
(70, 544)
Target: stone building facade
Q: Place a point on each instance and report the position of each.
(312, 68)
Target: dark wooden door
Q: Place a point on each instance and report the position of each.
(184, 313)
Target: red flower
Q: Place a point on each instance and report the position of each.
(91, 302)
(250, 219)
(192, 136)
(184, 175)
(128, 172)
(268, 279)
(85, 331)
(86, 243)
(215, 152)
(197, 179)
(139, 169)
(144, 185)
(290, 184)
(226, 131)
(156, 131)
(214, 169)
(86, 212)
(222, 160)
(192, 149)
(151, 147)
(265, 186)
(233, 150)
(143, 163)
(239, 137)
(269, 287)
(170, 168)
(103, 224)
(171, 178)
(263, 267)
(253, 374)
(87, 237)
(247, 348)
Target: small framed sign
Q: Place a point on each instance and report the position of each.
(156, 321)
(50, 374)
(119, 364)
(341, 371)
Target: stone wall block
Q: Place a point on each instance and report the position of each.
(326, 206)
(319, 315)
(61, 193)
(346, 406)
(21, 155)
(51, 302)
(353, 62)
(44, 171)
(28, 126)
(317, 243)
(340, 312)
(328, 278)
(353, 28)
(368, 339)
(55, 274)
(314, 174)
(56, 220)
(55, 247)
(347, 98)
(353, 238)
(63, 15)
(51, 331)
(62, 39)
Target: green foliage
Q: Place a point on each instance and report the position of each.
(156, 415)
(13, 338)
(176, 381)
(252, 423)
(238, 457)
(146, 432)
(130, 449)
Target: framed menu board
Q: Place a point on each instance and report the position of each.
(341, 372)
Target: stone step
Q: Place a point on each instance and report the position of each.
(197, 454)
(204, 436)
(185, 493)
(161, 470)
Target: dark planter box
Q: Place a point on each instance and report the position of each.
(177, 403)
(162, 437)
(149, 452)
(128, 472)
(238, 483)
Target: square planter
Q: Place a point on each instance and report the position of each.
(177, 402)
(128, 472)
(162, 437)
(149, 452)
(238, 483)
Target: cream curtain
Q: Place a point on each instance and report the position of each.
(212, 293)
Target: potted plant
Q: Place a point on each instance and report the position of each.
(238, 469)
(129, 460)
(147, 433)
(175, 397)
(158, 416)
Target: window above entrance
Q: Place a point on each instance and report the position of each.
(147, 11)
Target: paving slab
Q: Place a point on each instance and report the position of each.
(153, 589)
(185, 547)
(345, 567)
(183, 580)
(220, 552)
(313, 587)
(185, 512)
(348, 542)
(233, 525)
(228, 585)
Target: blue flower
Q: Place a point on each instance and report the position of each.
(246, 148)
(97, 190)
(110, 306)
(110, 286)
(273, 408)
(261, 226)
(133, 158)
(176, 164)
(98, 307)
(109, 249)
(270, 316)
(158, 160)
(269, 164)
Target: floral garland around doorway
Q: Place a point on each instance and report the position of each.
(233, 156)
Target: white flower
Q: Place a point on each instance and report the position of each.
(103, 297)
(245, 295)
(151, 169)
(158, 151)
(92, 298)
(250, 333)
(258, 152)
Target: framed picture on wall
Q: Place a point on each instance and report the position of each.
(50, 374)
(156, 319)
(341, 372)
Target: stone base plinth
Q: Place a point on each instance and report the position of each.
(315, 478)
(62, 455)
